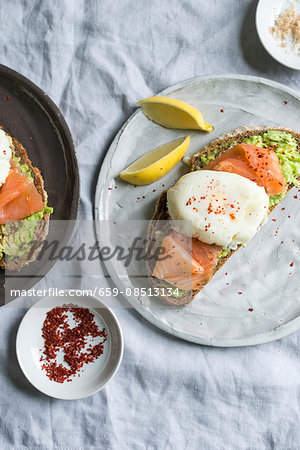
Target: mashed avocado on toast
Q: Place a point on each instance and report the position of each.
(284, 142)
(20, 239)
(16, 241)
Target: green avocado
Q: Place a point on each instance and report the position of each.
(16, 237)
(205, 159)
(176, 292)
(224, 253)
(24, 168)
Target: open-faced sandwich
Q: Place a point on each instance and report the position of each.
(233, 185)
(24, 214)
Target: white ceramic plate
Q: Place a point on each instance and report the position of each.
(219, 315)
(94, 376)
(266, 13)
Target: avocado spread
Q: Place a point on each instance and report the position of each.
(205, 159)
(285, 146)
(16, 237)
(176, 292)
(225, 252)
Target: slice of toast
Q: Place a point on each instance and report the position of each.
(216, 147)
(41, 231)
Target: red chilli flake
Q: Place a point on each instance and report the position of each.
(8, 98)
(250, 309)
(60, 337)
(285, 102)
(221, 110)
(291, 265)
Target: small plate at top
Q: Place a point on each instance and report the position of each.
(266, 14)
(93, 376)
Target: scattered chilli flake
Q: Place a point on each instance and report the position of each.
(292, 264)
(239, 293)
(73, 342)
(207, 227)
(273, 220)
(221, 110)
(285, 102)
(250, 309)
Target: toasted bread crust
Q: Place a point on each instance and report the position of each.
(161, 209)
(41, 231)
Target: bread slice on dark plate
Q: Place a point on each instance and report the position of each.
(26, 252)
(216, 147)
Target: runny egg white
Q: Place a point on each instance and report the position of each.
(217, 207)
(5, 155)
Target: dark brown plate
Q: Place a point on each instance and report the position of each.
(29, 115)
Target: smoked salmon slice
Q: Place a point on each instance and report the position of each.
(255, 163)
(14, 185)
(177, 258)
(19, 197)
(189, 264)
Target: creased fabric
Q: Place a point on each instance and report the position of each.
(95, 59)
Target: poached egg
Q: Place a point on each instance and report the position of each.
(5, 155)
(217, 207)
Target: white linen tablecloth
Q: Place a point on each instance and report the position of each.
(95, 59)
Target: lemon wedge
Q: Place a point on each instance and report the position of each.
(172, 113)
(156, 163)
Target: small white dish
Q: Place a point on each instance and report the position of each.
(93, 376)
(266, 13)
